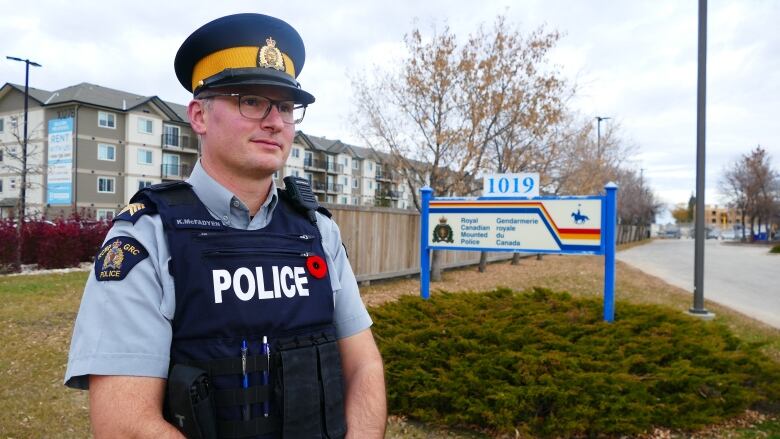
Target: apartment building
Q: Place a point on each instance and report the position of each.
(90, 148)
(347, 174)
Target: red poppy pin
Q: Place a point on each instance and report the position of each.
(316, 266)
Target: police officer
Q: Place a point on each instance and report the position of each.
(226, 276)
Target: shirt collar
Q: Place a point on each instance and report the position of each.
(218, 200)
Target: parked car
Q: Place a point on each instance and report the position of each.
(670, 233)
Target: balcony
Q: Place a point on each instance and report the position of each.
(388, 194)
(335, 168)
(384, 175)
(170, 141)
(175, 172)
(318, 186)
(311, 163)
(335, 188)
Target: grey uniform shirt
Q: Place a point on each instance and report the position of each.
(124, 327)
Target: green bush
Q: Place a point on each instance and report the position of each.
(775, 249)
(546, 364)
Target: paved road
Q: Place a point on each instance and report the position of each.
(744, 278)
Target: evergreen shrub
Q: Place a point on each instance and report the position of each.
(546, 364)
(775, 249)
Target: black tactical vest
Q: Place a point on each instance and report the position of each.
(234, 287)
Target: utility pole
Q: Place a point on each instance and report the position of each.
(701, 107)
(23, 188)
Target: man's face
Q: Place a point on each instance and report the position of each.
(236, 145)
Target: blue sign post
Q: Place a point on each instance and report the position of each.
(558, 225)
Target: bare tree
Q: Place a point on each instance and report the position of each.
(21, 161)
(439, 112)
(752, 186)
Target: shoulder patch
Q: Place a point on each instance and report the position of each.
(132, 212)
(117, 257)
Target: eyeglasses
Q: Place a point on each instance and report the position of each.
(258, 107)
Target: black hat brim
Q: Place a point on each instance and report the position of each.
(257, 76)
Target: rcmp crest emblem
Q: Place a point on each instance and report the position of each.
(269, 56)
(442, 232)
(117, 257)
(114, 256)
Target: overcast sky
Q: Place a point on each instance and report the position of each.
(634, 61)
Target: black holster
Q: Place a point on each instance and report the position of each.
(190, 405)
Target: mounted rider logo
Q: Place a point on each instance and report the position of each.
(579, 218)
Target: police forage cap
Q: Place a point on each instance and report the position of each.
(243, 49)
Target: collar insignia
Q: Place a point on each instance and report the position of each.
(269, 56)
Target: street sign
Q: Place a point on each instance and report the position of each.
(564, 225)
(540, 225)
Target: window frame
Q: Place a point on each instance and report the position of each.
(149, 124)
(105, 211)
(177, 136)
(113, 120)
(296, 152)
(113, 148)
(106, 178)
(151, 157)
(145, 186)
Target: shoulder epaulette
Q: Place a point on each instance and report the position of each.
(138, 207)
(324, 211)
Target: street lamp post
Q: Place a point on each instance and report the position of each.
(598, 133)
(23, 187)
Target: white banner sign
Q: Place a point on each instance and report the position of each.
(59, 187)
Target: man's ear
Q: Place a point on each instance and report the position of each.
(196, 111)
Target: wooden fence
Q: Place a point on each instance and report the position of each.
(385, 242)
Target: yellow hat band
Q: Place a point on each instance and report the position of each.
(232, 58)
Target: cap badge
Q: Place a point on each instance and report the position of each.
(269, 56)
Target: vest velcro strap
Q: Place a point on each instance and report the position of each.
(253, 427)
(232, 366)
(241, 396)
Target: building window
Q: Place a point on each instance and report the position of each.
(171, 165)
(355, 164)
(295, 173)
(12, 183)
(330, 198)
(370, 166)
(1, 155)
(307, 159)
(106, 120)
(1, 185)
(355, 200)
(171, 135)
(105, 185)
(105, 214)
(144, 157)
(276, 174)
(344, 200)
(371, 185)
(296, 152)
(345, 180)
(106, 152)
(144, 184)
(2, 125)
(355, 183)
(308, 176)
(145, 126)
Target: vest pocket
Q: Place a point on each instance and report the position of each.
(332, 381)
(312, 392)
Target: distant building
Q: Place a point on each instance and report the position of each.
(93, 147)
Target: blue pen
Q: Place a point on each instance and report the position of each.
(267, 352)
(245, 381)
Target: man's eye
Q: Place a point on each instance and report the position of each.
(251, 101)
(286, 107)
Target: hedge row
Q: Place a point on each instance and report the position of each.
(59, 244)
(545, 365)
